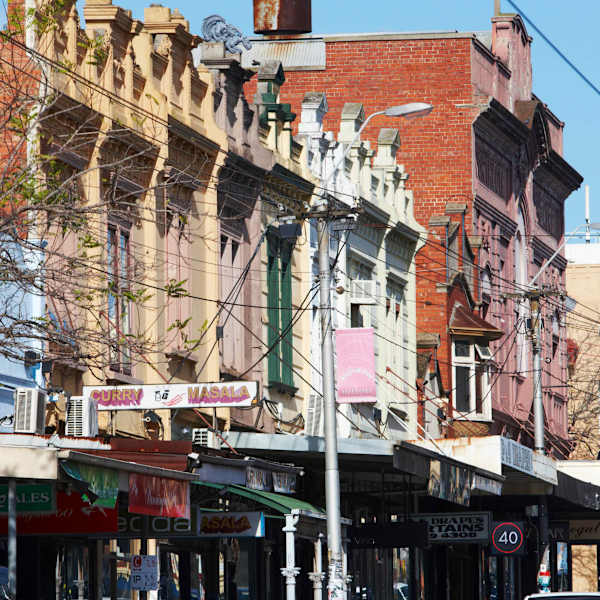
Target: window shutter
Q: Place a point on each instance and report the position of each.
(287, 351)
(273, 363)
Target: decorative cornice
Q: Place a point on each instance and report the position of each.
(504, 120)
(192, 136)
(562, 172)
(508, 226)
(374, 211)
(544, 252)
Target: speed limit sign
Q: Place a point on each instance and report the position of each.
(508, 538)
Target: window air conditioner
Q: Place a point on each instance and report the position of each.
(30, 411)
(82, 417)
(313, 415)
(363, 291)
(202, 436)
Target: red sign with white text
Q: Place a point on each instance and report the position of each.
(159, 496)
(73, 516)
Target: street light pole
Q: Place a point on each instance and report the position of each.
(336, 584)
(536, 331)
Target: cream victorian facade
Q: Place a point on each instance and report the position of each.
(131, 122)
(374, 269)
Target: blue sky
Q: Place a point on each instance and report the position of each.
(573, 31)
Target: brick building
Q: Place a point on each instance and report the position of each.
(489, 183)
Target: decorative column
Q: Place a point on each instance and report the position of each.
(290, 571)
(318, 575)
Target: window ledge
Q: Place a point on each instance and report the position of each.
(66, 363)
(122, 378)
(181, 355)
(476, 418)
(283, 388)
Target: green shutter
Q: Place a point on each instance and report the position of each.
(273, 363)
(287, 376)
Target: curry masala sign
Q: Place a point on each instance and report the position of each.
(178, 395)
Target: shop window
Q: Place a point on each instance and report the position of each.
(485, 286)
(555, 333)
(118, 250)
(471, 370)
(279, 301)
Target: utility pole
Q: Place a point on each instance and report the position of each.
(332, 477)
(323, 213)
(538, 401)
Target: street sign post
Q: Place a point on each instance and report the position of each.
(144, 572)
(508, 538)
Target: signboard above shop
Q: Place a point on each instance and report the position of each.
(176, 395)
(449, 528)
(32, 498)
(231, 524)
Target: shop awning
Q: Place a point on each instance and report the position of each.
(277, 502)
(578, 492)
(465, 322)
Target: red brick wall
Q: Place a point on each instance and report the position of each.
(436, 150)
(19, 82)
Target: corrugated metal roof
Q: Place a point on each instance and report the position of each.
(306, 54)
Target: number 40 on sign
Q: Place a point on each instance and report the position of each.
(508, 537)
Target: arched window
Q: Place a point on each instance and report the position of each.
(485, 287)
(521, 280)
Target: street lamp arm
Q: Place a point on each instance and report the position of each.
(549, 261)
(340, 160)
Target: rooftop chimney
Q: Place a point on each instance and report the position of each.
(273, 17)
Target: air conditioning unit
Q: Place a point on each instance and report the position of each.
(30, 411)
(82, 417)
(202, 436)
(313, 423)
(363, 291)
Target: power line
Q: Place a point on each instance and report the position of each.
(555, 48)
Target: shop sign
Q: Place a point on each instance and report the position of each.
(231, 524)
(485, 484)
(584, 531)
(176, 395)
(449, 482)
(136, 526)
(516, 456)
(355, 379)
(159, 496)
(103, 483)
(284, 483)
(508, 538)
(524, 459)
(558, 531)
(36, 498)
(73, 516)
(448, 528)
(258, 479)
(144, 572)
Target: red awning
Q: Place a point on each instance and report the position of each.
(464, 322)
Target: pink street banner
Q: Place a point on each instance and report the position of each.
(159, 496)
(355, 366)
